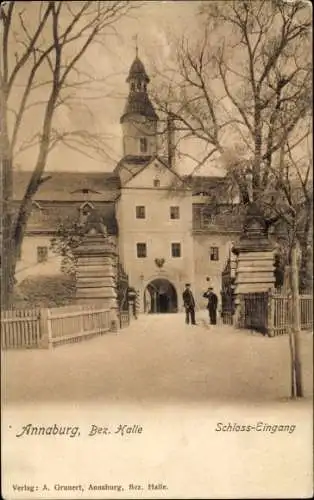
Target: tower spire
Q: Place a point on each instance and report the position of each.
(138, 100)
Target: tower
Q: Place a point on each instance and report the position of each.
(139, 119)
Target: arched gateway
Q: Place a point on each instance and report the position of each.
(160, 296)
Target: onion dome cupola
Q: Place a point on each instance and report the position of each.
(139, 119)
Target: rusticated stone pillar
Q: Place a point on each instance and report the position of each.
(96, 274)
(255, 259)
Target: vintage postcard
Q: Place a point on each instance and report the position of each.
(156, 249)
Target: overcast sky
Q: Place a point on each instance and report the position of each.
(154, 23)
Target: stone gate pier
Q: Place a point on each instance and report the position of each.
(255, 259)
(96, 258)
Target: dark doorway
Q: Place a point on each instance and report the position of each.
(160, 296)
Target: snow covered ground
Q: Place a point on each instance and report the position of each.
(179, 384)
(159, 358)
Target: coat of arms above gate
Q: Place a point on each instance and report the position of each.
(159, 262)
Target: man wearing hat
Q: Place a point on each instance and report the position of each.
(189, 304)
(211, 305)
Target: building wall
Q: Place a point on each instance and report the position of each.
(134, 128)
(158, 231)
(205, 267)
(28, 265)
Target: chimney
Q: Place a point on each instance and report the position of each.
(171, 142)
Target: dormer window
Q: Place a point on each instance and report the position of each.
(85, 209)
(143, 144)
(201, 193)
(37, 213)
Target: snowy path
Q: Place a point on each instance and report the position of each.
(158, 358)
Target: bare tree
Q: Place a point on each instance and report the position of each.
(42, 45)
(291, 203)
(244, 87)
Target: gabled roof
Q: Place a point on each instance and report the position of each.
(70, 186)
(48, 216)
(136, 167)
(204, 184)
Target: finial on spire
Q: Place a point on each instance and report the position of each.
(135, 38)
(136, 45)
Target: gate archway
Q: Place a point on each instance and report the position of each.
(160, 296)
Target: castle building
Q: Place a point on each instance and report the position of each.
(167, 230)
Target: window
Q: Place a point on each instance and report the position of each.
(214, 253)
(141, 250)
(42, 254)
(143, 144)
(176, 249)
(156, 183)
(140, 212)
(206, 218)
(174, 212)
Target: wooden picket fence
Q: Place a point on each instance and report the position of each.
(281, 311)
(306, 311)
(272, 314)
(20, 328)
(33, 328)
(72, 323)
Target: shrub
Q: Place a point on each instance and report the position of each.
(45, 291)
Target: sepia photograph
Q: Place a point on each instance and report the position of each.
(156, 249)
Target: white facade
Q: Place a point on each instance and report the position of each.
(37, 259)
(157, 230)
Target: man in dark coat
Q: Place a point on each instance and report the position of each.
(189, 304)
(211, 305)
